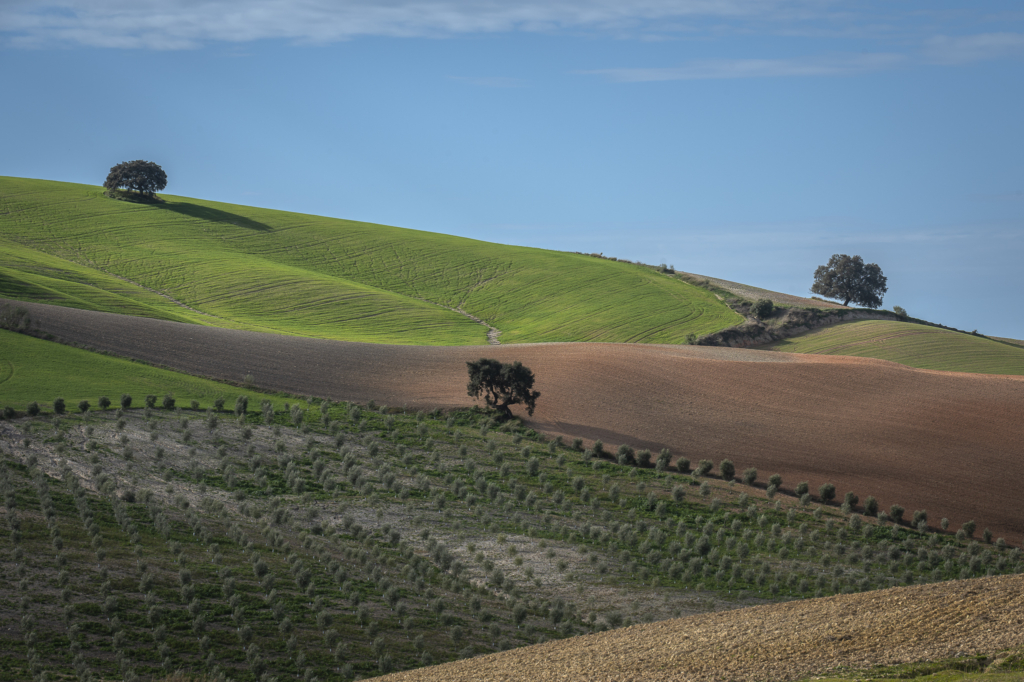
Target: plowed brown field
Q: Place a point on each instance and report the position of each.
(773, 642)
(949, 443)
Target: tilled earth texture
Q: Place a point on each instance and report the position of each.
(945, 442)
(774, 642)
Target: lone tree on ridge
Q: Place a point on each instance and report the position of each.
(850, 279)
(502, 385)
(143, 177)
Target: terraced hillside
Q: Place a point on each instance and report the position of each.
(910, 344)
(248, 268)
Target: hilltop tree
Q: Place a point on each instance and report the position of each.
(849, 279)
(502, 385)
(143, 177)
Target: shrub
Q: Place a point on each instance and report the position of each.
(242, 405)
(944, 523)
(683, 465)
(168, 402)
(533, 466)
(827, 492)
(625, 454)
(705, 489)
(194, 404)
(9, 412)
(986, 535)
(871, 506)
(151, 401)
(83, 406)
(896, 513)
(577, 444)
(703, 467)
(775, 480)
(762, 308)
(802, 488)
(643, 458)
(727, 469)
(663, 459)
(969, 528)
(805, 499)
(900, 311)
(750, 476)
(678, 493)
(126, 401)
(851, 499)
(33, 409)
(919, 516)
(598, 448)
(58, 406)
(771, 490)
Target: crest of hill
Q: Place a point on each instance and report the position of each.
(263, 270)
(910, 344)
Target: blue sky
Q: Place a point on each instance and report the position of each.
(743, 139)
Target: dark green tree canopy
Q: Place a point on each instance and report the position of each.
(848, 279)
(144, 177)
(502, 385)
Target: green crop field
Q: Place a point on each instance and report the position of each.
(910, 344)
(264, 270)
(35, 370)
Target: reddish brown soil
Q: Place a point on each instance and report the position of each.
(774, 642)
(946, 442)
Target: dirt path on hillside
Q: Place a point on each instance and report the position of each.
(946, 442)
(773, 642)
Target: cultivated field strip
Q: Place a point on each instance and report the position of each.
(909, 344)
(256, 269)
(944, 442)
(343, 540)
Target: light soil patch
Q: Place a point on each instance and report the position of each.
(774, 642)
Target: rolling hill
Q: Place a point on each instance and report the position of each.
(914, 345)
(937, 441)
(248, 268)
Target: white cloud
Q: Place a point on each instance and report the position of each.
(177, 24)
(973, 48)
(757, 68)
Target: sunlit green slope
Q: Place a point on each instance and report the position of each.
(243, 267)
(910, 344)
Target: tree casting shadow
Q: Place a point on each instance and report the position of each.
(214, 215)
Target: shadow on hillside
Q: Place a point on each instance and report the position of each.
(214, 215)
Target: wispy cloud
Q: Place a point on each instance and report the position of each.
(177, 24)
(756, 68)
(973, 48)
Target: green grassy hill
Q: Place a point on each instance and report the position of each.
(36, 370)
(242, 267)
(910, 344)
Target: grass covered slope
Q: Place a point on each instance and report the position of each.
(290, 273)
(910, 344)
(35, 370)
